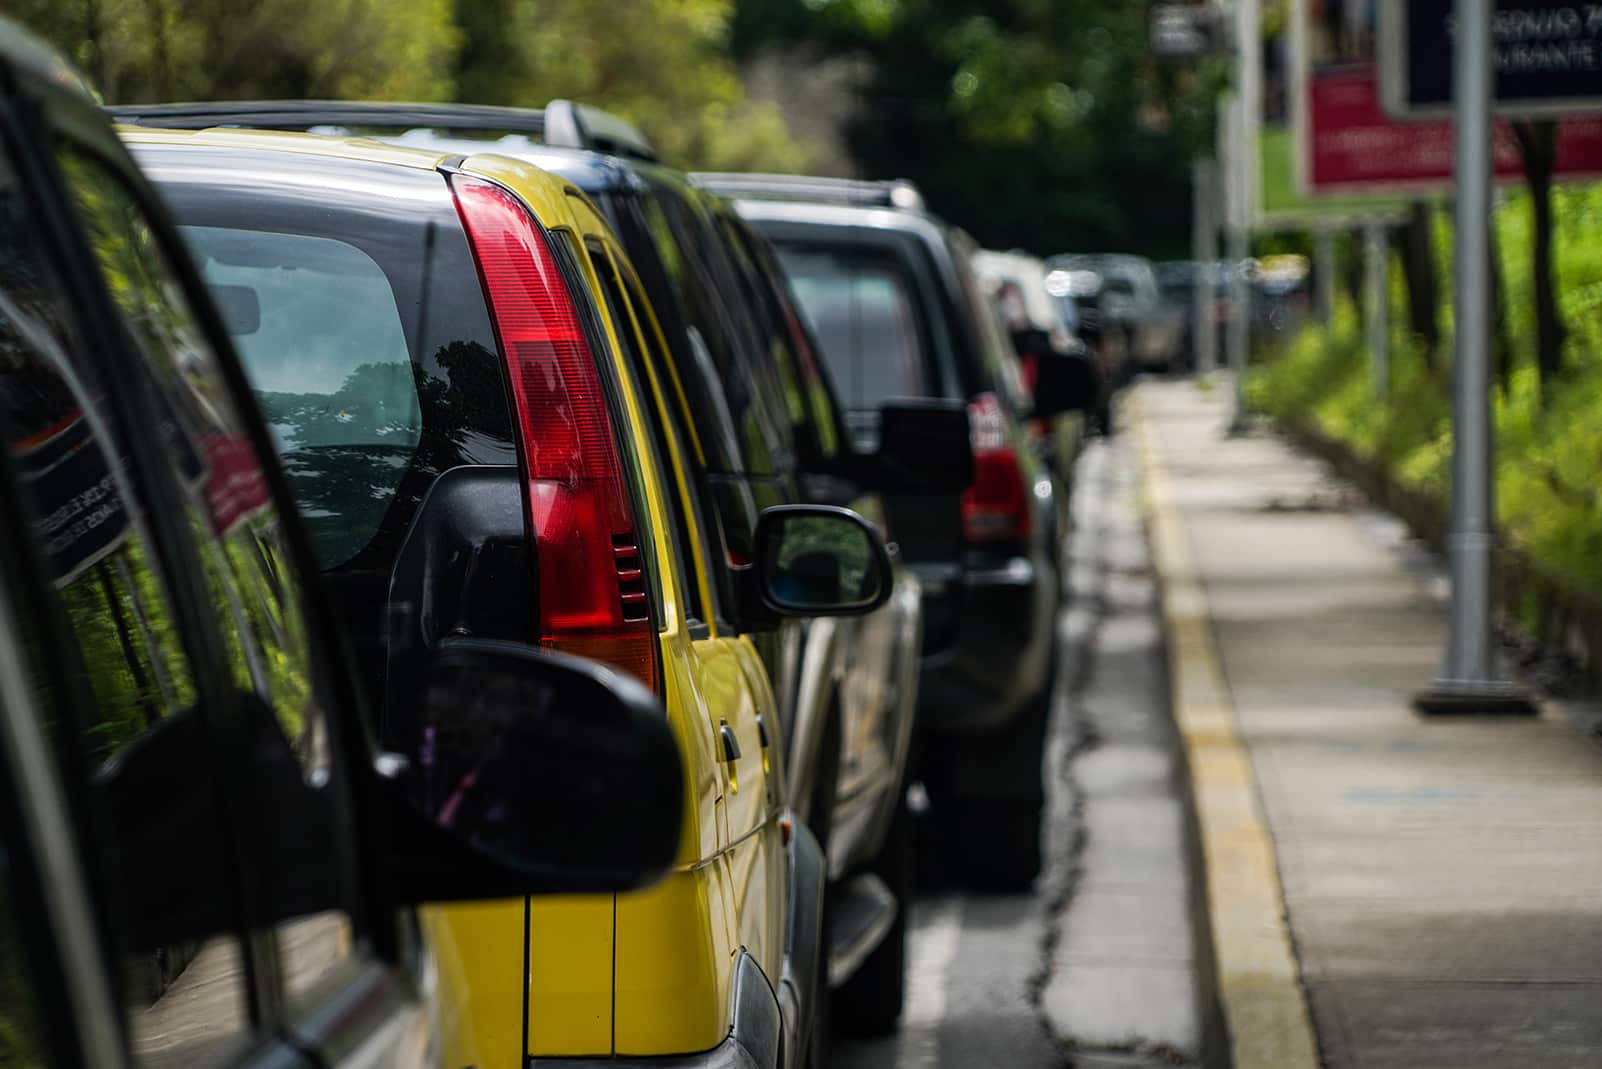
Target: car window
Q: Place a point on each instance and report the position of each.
(316, 323)
(125, 655)
(295, 842)
(808, 398)
(723, 340)
(860, 305)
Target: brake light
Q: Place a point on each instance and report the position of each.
(592, 597)
(995, 507)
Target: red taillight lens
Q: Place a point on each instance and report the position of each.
(995, 507)
(592, 596)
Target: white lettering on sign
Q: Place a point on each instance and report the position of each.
(1560, 56)
(1548, 24)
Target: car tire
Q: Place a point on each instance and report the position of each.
(1000, 843)
(870, 1002)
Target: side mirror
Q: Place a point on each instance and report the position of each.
(819, 560)
(529, 772)
(924, 445)
(1066, 383)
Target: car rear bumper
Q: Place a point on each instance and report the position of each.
(999, 653)
(730, 1054)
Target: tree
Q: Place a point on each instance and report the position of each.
(135, 51)
(1037, 124)
(1417, 247)
(1537, 141)
(663, 64)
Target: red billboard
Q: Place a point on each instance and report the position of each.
(1352, 146)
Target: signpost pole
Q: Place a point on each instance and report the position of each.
(1468, 683)
(1324, 273)
(1379, 327)
(1204, 339)
(1242, 195)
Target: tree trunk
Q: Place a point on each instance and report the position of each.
(1352, 270)
(1501, 343)
(1538, 147)
(1423, 284)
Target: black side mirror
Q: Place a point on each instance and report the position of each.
(530, 772)
(924, 445)
(1066, 382)
(819, 560)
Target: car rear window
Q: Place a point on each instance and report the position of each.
(316, 323)
(860, 305)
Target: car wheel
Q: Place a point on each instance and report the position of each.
(1000, 842)
(869, 1004)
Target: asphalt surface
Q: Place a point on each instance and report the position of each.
(980, 964)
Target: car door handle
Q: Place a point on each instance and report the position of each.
(731, 745)
(762, 730)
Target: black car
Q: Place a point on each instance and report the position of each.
(891, 294)
(204, 858)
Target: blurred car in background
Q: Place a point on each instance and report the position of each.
(1081, 295)
(1178, 281)
(466, 379)
(1133, 304)
(891, 294)
(207, 861)
(1281, 299)
(1047, 349)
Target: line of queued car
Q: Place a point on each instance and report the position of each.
(472, 595)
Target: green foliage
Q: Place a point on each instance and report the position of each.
(142, 50)
(1033, 123)
(663, 64)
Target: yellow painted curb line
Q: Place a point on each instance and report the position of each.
(1259, 983)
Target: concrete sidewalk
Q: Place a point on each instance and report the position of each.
(1442, 879)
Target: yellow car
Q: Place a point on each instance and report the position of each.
(459, 367)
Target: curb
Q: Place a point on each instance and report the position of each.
(1258, 979)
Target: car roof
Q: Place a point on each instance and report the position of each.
(344, 148)
(544, 192)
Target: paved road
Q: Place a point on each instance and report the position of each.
(979, 964)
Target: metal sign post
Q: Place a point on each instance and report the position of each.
(1379, 326)
(1203, 334)
(1468, 682)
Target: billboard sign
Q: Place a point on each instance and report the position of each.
(1546, 57)
(1348, 145)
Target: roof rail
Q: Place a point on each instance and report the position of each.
(563, 123)
(894, 193)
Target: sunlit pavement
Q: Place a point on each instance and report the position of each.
(1096, 967)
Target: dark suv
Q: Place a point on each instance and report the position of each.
(891, 295)
(204, 859)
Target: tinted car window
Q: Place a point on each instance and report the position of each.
(294, 843)
(125, 654)
(359, 465)
(860, 304)
(316, 323)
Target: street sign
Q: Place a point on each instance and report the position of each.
(1187, 31)
(1546, 55)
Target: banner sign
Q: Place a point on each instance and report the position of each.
(1351, 145)
(1546, 57)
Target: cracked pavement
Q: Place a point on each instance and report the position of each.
(1097, 967)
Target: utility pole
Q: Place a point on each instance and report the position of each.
(1241, 194)
(1469, 682)
(1379, 300)
(1324, 273)
(1205, 235)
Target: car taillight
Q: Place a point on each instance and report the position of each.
(995, 507)
(592, 595)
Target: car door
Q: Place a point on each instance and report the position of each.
(727, 674)
(197, 700)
